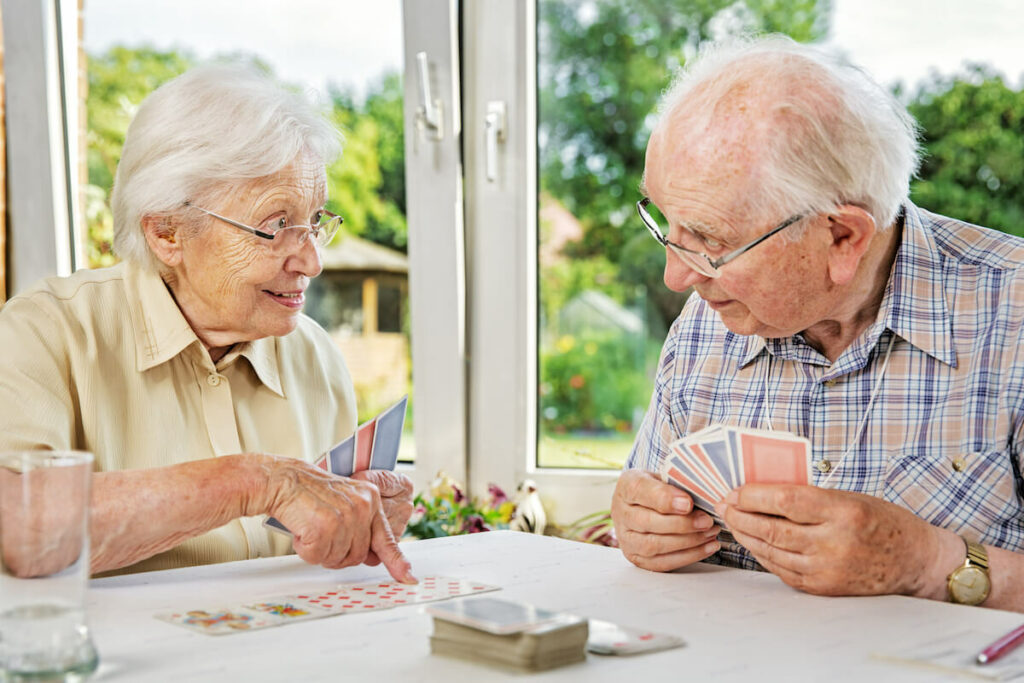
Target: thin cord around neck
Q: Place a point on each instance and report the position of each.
(863, 419)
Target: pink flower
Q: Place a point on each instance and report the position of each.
(497, 495)
(457, 495)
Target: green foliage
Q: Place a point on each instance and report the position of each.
(118, 80)
(603, 65)
(446, 511)
(973, 168)
(594, 382)
(367, 185)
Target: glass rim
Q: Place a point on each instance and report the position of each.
(35, 459)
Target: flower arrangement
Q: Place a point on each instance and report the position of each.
(446, 511)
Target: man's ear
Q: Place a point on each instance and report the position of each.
(162, 235)
(852, 229)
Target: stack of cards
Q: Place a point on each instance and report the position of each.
(321, 601)
(710, 463)
(507, 633)
(374, 446)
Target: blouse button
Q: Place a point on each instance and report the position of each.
(213, 380)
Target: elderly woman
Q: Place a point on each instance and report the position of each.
(188, 369)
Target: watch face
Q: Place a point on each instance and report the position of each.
(969, 585)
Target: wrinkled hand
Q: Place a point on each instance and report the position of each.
(396, 498)
(335, 521)
(395, 495)
(832, 542)
(657, 526)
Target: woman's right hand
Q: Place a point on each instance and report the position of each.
(335, 521)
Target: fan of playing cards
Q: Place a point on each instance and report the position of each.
(710, 463)
(374, 446)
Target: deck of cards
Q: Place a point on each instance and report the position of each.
(373, 446)
(508, 634)
(710, 463)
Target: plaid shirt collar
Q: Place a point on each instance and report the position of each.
(914, 307)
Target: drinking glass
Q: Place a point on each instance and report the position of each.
(44, 566)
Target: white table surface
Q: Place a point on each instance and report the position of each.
(739, 625)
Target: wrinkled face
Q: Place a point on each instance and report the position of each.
(234, 286)
(778, 288)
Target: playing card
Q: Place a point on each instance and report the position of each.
(321, 462)
(674, 472)
(702, 468)
(712, 441)
(283, 610)
(607, 638)
(219, 621)
(364, 446)
(341, 458)
(387, 435)
(771, 457)
(386, 594)
(492, 615)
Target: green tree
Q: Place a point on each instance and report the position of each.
(973, 139)
(367, 186)
(603, 65)
(118, 80)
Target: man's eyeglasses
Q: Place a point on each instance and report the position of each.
(322, 227)
(702, 263)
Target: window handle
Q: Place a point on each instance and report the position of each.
(429, 115)
(494, 132)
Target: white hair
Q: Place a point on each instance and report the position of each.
(835, 135)
(209, 128)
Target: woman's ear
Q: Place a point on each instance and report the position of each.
(162, 235)
(852, 230)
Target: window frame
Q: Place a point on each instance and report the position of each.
(500, 65)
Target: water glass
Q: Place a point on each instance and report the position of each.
(44, 566)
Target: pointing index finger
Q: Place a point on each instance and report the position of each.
(383, 544)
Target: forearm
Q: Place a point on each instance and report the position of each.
(138, 513)
(1006, 573)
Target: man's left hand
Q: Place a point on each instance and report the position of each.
(830, 542)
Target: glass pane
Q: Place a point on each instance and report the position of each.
(602, 64)
(131, 48)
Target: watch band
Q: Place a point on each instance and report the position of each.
(976, 555)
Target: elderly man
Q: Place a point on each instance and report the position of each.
(828, 305)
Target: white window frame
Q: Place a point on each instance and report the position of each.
(42, 132)
(500, 65)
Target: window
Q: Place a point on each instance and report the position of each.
(533, 298)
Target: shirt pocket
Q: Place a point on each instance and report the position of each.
(968, 492)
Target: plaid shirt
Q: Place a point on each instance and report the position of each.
(945, 436)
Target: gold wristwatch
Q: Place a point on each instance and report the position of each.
(969, 583)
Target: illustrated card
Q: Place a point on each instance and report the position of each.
(607, 638)
(219, 621)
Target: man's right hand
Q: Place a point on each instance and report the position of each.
(657, 525)
(335, 521)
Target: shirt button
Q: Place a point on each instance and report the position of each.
(959, 464)
(830, 383)
(824, 466)
(213, 380)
